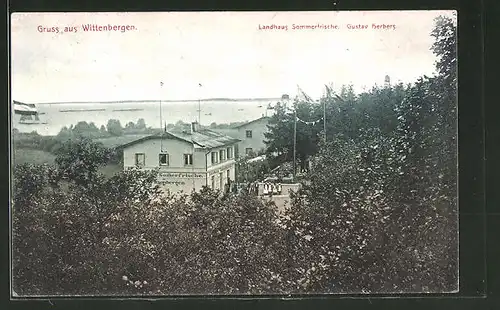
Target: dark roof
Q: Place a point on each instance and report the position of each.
(250, 122)
(22, 103)
(203, 138)
(227, 131)
(113, 142)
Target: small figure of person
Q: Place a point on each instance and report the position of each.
(279, 188)
(265, 191)
(234, 189)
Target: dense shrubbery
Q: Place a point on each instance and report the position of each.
(85, 234)
(367, 217)
(82, 129)
(378, 213)
(112, 129)
(35, 141)
(249, 172)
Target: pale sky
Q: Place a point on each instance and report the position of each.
(224, 51)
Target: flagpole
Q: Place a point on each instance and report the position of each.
(199, 106)
(324, 116)
(299, 91)
(161, 119)
(294, 142)
(192, 157)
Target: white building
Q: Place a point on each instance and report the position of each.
(187, 159)
(250, 134)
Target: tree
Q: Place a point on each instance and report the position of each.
(84, 129)
(379, 211)
(114, 127)
(130, 126)
(62, 233)
(79, 241)
(103, 131)
(445, 48)
(249, 172)
(280, 134)
(79, 160)
(141, 124)
(339, 216)
(65, 133)
(428, 143)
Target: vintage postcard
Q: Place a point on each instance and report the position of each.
(233, 153)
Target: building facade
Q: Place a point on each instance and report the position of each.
(252, 137)
(250, 134)
(187, 160)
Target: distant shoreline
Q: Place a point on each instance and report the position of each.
(158, 100)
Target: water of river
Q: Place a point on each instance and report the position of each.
(57, 115)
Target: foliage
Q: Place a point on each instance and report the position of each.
(249, 172)
(214, 125)
(382, 208)
(445, 48)
(114, 127)
(34, 141)
(346, 114)
(120, 236)
(358, 217)
(279, 138)
(79, 160)
(378, 212)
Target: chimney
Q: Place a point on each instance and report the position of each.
(194, 127)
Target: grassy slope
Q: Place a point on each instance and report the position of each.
(23, 155)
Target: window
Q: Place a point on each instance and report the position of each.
(221, 181)
(188, 159)
(213, 182)
(163, 159)
(249, 133)
(248, 150)
(222, 155)
(140, 159)
(229, 152)
(215, 157)
(228, 174)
